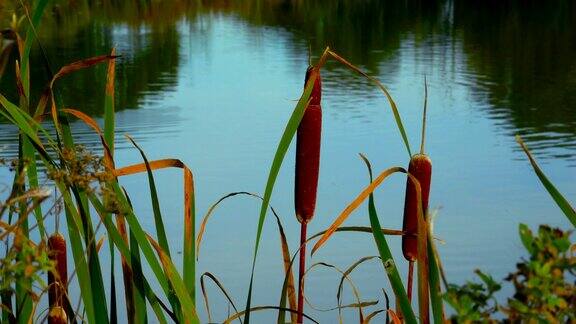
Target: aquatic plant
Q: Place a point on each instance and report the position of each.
(86, 183)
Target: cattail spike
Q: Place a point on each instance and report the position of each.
(308, 153)
(58, 278)
(308, 140)
(421, 168)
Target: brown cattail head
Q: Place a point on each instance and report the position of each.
(58, 278)
(308, 152)
(421, 168)
(57, 315)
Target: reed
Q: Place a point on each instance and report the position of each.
(420, 167)
(308, 141)
(86, 184)
(58, 278)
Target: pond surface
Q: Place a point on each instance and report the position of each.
(214, 85)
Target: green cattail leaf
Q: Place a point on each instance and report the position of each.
(15, 115)
(382, 88)
(37, 13)
(78, 253)
(283, 145)
(387, 258)
(564, 205)
(118, 241)
(147, 251)
(434, 281)
(188, 308)
(96, 278)
(189, 265)
(138, 282)
(160, 231)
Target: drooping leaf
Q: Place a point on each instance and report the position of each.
(387, 258)
(564, 205)
(222, 289)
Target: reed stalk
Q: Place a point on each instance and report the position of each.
(308, 140)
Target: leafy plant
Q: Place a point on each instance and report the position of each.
(545, 283)
(474, 301)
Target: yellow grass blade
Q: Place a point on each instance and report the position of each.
(355, 204)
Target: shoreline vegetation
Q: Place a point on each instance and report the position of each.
(36, 267)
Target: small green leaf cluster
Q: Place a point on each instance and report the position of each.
(544, 284)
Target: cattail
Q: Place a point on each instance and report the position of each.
(57, 315)
(308, 153)
(58, 278)
(421, 168)
(307, 168)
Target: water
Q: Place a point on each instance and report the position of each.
(215, 86)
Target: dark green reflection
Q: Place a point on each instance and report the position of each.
(518, 55)
(524, 56)
(365, 32)
(147, 39)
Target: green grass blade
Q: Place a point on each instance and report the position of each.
(189, 261)
(188, 308)
(154, 302)
(24, 305)
(393, 106)
(109, 111)
(6, 299)
(159, 223)
(434, 281)
(80, 263)
(146, 249)
(37, 13)
(113, 301)
(118, 241)
(26, 124)
(19, 119)
(95, 301)
(138, 278)
(554, 193)
(96, 278)
(32, 172)
(109, 126)
(281, 150)
(387, 258)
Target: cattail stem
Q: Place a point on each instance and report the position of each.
(306, 176)
(410, 279)
(301, 271)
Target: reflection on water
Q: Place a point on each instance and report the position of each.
(522, 64)
(517, 57)
(213, 83)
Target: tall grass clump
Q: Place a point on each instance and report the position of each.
(91, 196)
(308, 140)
